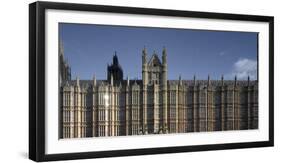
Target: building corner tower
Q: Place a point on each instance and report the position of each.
(164, 89)
(144, 90)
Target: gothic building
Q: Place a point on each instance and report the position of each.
(154, 104)
(65, 70)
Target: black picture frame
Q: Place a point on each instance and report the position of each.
(37, 80)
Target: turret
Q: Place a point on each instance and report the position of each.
(144, 67)
(114, 70)
(164, 67)
(164, 56)
(94, 81)
(144, 56)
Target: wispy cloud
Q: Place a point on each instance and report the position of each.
(243, 68)
(222, 53)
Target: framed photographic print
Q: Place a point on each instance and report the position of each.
(110, 81)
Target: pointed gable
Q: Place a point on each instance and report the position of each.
(154, 61)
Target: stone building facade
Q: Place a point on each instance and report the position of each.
(154, 105)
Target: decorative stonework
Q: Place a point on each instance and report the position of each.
(153, 105)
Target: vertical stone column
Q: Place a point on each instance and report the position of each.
(181, 111)
(164, 91)
(83, 113)
(249, 107)
(223, 117)
(208, 111)
(195, 108)
(106, 114)
(177, 109)
(95, 111)
(144, 90)
(185, 109)
(144, 106)
(112, 110)
(233, 108)
(237, 116)
(70, 101)
(64, 112)
(165, 109)
(126, 111)
(156, 109)
(138, 112)
(255, 107)
(77, 110)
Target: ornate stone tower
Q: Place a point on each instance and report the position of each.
(164, 127)
(155, 87)
(144, 67)
(144, 90)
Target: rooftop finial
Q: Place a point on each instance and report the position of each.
(115, 58)
(144, 56)
(94, 80)
(77, 80)
(128, 81)
(209, 81)
(248, 80)
(194, 79)
(164, 56)
(222, 80)
(164, 50)
(235, 80)
(180, 81)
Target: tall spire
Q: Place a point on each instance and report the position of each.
(164, 55)
(144, 67)
(144, 56)
(115, 59)
(128, 81)
(248, 80)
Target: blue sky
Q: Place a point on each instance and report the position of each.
(89, 48)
